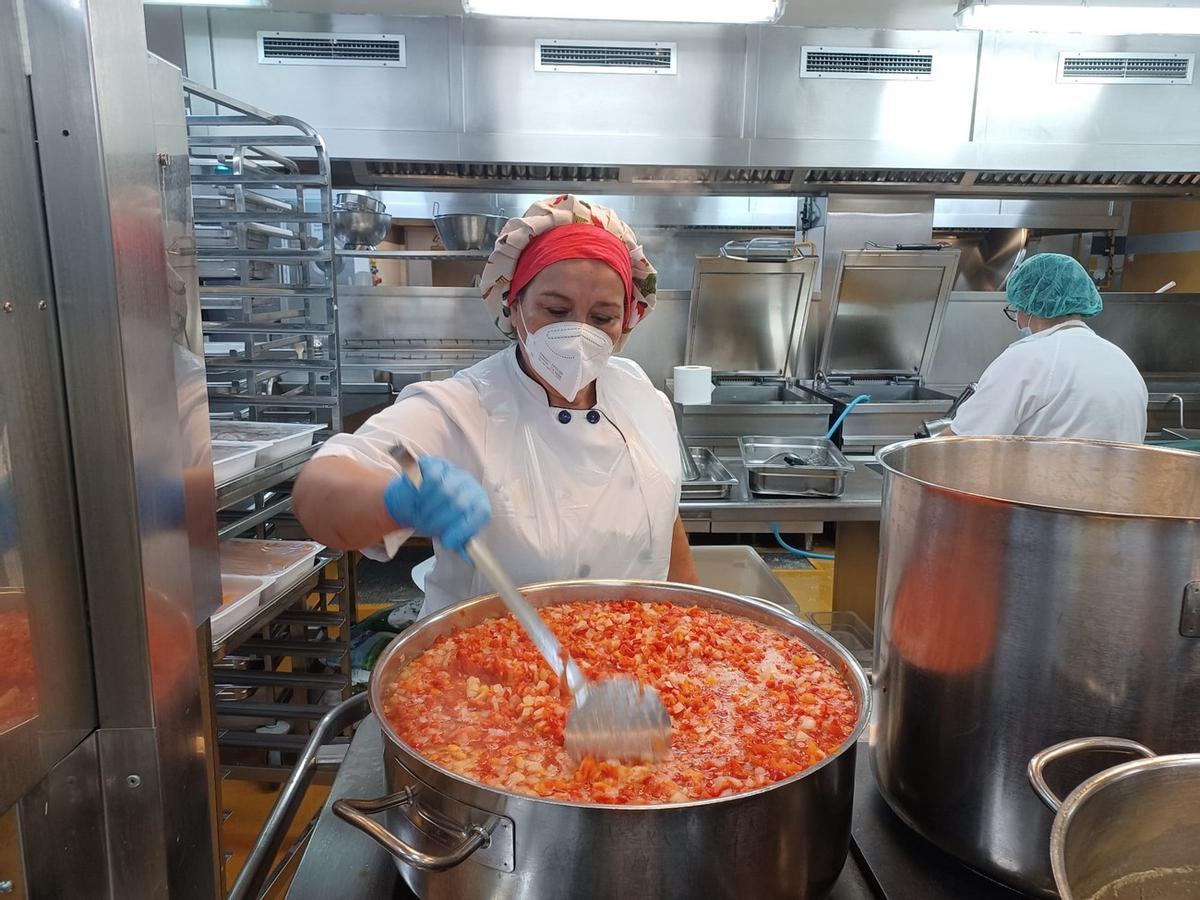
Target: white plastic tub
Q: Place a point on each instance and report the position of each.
(281, 439)
(285, 563)
(232, 459)
(241, 595)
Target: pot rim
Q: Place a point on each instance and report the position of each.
(1093, 785)
(853, 673)
(883, 455)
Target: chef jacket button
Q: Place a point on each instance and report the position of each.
(593, 416)
(564, 417)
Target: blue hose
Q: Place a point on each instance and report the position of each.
(861, 398)
(796, 551)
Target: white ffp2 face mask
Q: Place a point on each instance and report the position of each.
(569, 355)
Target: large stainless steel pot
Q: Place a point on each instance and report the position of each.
(1128, 833)
(1031, 591)
(456, 838)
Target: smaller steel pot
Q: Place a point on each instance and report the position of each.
(1129, 832)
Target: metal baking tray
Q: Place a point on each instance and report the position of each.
(821, 472)
(714, 481)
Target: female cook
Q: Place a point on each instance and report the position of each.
(1061, 379)
(563, 457)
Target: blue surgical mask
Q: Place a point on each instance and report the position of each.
(1023, 331)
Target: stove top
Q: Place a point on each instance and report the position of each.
(888, 861)
(900, 863)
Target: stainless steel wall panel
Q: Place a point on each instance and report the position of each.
(1021, 99)
(95, 119)
(917, 113)
(63, 833)
(658, 344)
(403, 329)
(505, 95)
(48, 706)
(1071, 214)
(1157, 331)
(974, 332)
(416, 98)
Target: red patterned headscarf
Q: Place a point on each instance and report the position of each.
(574, 241)
(566, 227)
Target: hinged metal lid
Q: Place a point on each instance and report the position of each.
(749, 317)
(886, 313)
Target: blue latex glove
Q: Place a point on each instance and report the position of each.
(449, 506)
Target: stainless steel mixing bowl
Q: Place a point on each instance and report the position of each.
(360, 229)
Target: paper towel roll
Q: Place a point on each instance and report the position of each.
(693, 385)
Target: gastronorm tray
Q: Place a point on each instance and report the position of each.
(232, 459)
(769, 474)
(714, 481)
(245, 594)
(283, 438)
(284, 562)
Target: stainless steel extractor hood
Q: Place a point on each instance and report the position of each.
(621, 179)
(735, 109)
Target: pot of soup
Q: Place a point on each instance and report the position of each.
(754, 799)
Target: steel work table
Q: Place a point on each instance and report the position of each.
(743, 512)
(342, 862)
(856, 513)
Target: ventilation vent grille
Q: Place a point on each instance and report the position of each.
(300, 48)
(611, 57)
(866, 62)
(884, 176)
(1087, 179)
(1126, 68)
(678, 175)
(489, 171)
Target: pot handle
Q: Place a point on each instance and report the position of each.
(358, 813)
(1037, 765)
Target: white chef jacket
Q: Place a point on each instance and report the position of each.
(574, 493)
(1066, 381)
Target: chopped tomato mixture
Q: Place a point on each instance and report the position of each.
(749, 706)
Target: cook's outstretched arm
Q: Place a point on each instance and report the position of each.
(340, 502)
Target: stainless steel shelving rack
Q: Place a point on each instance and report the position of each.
(262, 208)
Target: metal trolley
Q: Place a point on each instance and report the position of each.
(262, 208)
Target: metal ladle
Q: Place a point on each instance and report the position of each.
(614, 718)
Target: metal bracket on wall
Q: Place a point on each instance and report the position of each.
(1189, 619)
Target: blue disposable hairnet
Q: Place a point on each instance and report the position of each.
(1050, 285)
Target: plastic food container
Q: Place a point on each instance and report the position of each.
(286, 563)
(283, 439)
(232, 459)
(241, 595)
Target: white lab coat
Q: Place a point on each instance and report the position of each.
(1066, 381)
(570, 499)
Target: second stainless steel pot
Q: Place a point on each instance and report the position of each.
(457, 838)
(1031, 591)
(1128, 833)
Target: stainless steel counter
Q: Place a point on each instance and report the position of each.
(342, 862)
(743, 512)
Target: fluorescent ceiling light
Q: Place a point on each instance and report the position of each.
(1081, 17)
(731, 11)
(220, 3)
